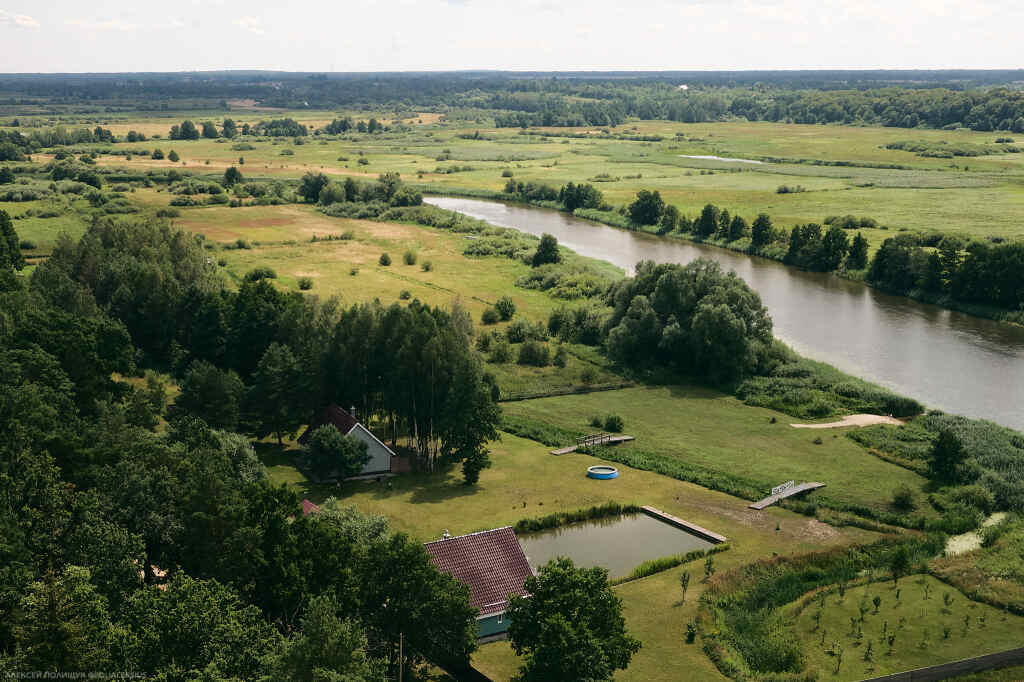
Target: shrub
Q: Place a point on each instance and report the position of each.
(363, 161)
(501, 353)
(27, 245)
(588, 375)
(560, 356)
(426, 266)
(534, 354)
(353, 271)
(520, 330)
(483, 342)
(242, 244)
(261, 272)
(405, 295)
(596, 421)
(613, 423)
(305, 283)
(409, 257)
(490, 316)
(506, 173)
(173, 156)
(505, 307)
(384, 259)
(903, 498)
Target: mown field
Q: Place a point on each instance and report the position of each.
(708, 428)
(976, 196)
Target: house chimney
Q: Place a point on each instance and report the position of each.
(445, 535)
(352, 411)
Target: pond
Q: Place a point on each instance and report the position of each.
(618, 544)
(945, 359)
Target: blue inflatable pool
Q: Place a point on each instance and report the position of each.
(602, 472)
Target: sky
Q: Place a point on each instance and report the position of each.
(430, 35)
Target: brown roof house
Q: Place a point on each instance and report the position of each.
(382, 459)
(492, 564)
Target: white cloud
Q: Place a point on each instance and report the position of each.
(252, 24)
(17, 20)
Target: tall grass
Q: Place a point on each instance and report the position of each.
(559, 519)
(664, 563)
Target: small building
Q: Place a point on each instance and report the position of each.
(309, 508)
(382, 459)
(492, 564)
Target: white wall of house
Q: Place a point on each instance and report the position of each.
(380, 454)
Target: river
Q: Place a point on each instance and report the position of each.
(947, 360)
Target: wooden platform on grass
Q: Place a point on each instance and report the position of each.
(595, 439)
(704, 533)
(788, 492)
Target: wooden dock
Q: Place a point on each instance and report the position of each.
(708, 535)
(593, 439)
(788, 492)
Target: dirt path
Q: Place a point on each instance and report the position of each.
(853, 420)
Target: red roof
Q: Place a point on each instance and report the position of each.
(491, 563)
(309, 508)
(332, 414)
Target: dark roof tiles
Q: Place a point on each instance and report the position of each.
(491, 563)
(332, 414)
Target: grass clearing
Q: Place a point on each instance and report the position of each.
(714, 430)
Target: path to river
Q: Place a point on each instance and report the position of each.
(945, 359)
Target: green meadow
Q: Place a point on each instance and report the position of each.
(978, 196)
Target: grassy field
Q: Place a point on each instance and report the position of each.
(349, 269)
(527, 482)
(714, 430)
(981, 196)
(927, 631)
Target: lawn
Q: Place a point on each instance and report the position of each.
(927, 630)
(526, 481)
(714, 430)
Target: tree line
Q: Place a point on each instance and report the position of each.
(261, 360)
(988, 273)
(978, 272)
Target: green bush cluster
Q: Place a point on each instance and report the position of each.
(559, 519)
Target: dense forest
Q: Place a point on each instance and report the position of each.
(980, 100)
(113, 527)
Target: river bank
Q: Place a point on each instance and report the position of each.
(612, 219)
(946, 359)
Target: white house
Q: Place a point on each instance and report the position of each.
(382, 459)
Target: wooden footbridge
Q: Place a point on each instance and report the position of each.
(781, 492)
(592, 439)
